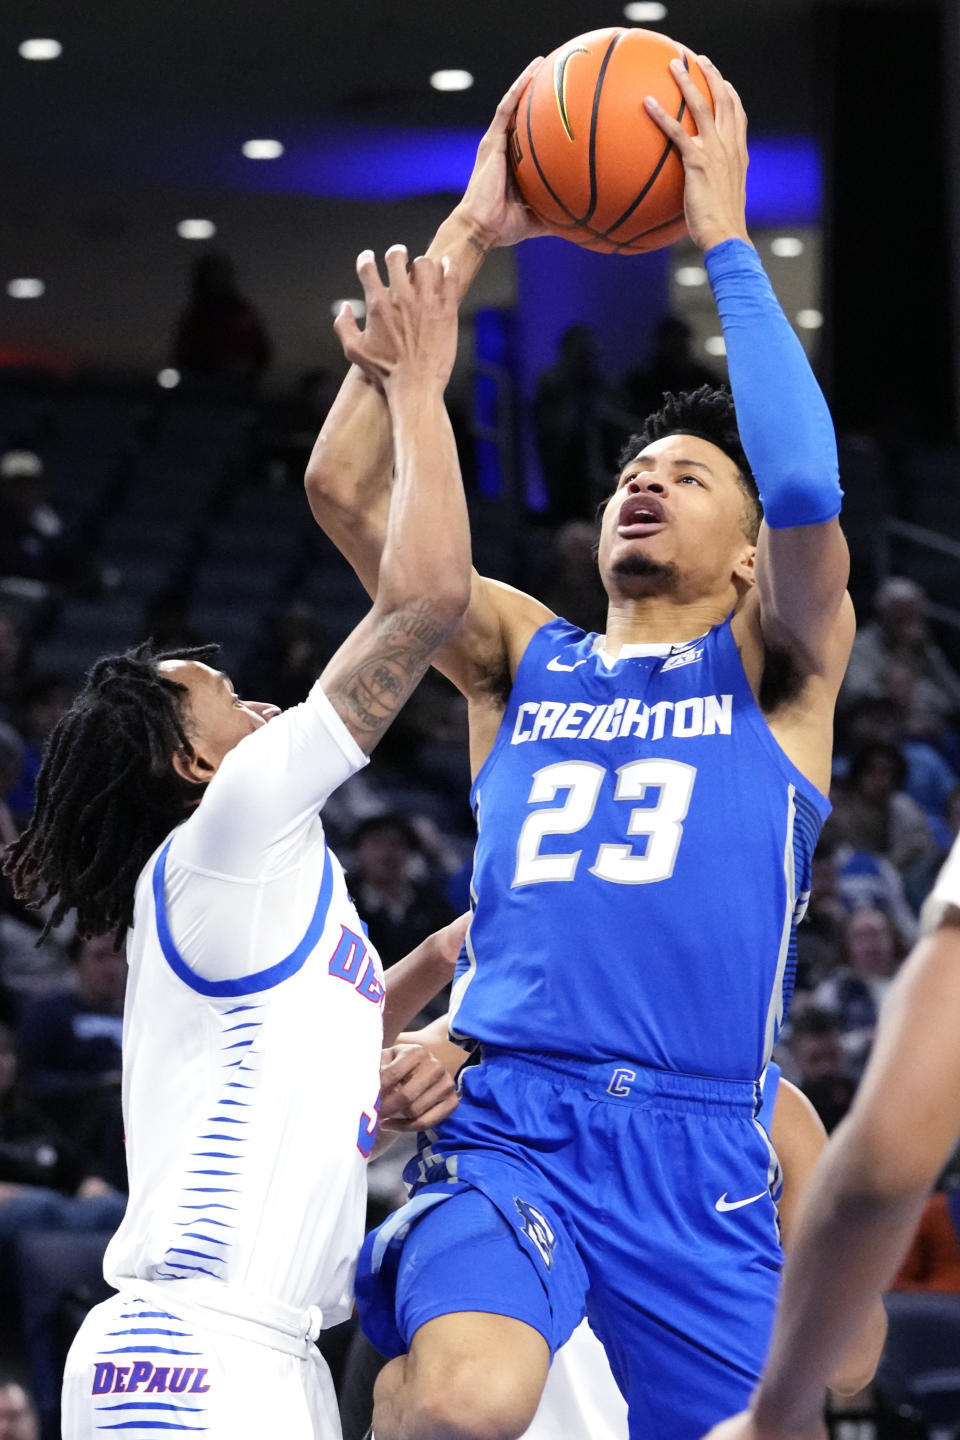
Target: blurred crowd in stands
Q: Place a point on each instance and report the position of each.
(127, 513)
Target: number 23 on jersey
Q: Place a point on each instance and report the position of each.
(659, 823)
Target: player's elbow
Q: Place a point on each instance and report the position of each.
(859, 1365)
(323, 481)
(428, 606)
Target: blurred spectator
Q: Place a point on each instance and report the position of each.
(12, 750)
(672, 366)
(70, 1042)
(44, 700)
(32, 1152)
(395, 899)
(287, 661)
(820, 934)
(33, 542)
(289, 426)
(930, 779)
(933, 1261)
(14, 660)
(816, 1050)
(573, 590)
(900, 633)
(868, 881)
(220, 334)
(873, 812)
(567, 419)
(166, 620)
(855, 993)
(18, 1418)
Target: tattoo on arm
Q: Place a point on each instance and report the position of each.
(371, 694)
(478, 245)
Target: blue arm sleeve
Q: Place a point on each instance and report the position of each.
(785, 426)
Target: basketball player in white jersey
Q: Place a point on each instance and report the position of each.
(172, 809)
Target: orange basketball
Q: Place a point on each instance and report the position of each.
(587, 158)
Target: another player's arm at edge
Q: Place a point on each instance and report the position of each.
(423, 581)
(799, 606)
(867, 1193)
(799, 1139)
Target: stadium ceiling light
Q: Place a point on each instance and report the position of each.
(40, 49)
(809, 319)
(788, 247)
(451, 79)
(641, 11)
(263, 149)
(196, 229)
(690, 275)
(25, 288)
(715, 345)
(168, 379)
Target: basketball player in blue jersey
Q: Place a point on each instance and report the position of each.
(647, 804)
(171, 809)
(581, 1400)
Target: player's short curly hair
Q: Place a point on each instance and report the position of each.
(707, 413)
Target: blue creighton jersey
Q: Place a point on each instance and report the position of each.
(643, 857)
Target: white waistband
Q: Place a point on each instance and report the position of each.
(234, 1311)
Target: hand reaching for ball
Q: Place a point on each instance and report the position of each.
(491, 203)
(714, 160)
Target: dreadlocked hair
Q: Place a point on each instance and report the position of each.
(107, 793)
(707, 413)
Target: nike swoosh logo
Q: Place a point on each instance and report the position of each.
(560, 83)
(556, 664)
(724, 1204)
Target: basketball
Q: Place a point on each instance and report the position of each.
(587, 157)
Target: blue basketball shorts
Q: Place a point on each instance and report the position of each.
(556, 1189)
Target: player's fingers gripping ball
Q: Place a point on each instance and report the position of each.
(587, 158)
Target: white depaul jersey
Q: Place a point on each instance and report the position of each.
(251, 1067)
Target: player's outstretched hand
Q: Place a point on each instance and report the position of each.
(744, 1427)
(714, 160)
(410, 332)
(491, 204)
(416, 1092)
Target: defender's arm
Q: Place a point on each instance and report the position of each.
(408, 346)
(349, 474)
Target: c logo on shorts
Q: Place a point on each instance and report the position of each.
(538, 1230)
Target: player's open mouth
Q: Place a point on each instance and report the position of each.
(641, 515)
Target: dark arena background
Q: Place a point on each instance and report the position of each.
(185, 188)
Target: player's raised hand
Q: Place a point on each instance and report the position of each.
(714, 160)
(491, 203)
(410, 332)
(416, 1092)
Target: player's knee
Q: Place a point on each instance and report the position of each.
(473, 1404)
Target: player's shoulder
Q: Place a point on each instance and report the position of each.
(482, 659)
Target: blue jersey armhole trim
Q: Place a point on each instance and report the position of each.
(244, 984)
(548, 635)
(761, 727)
